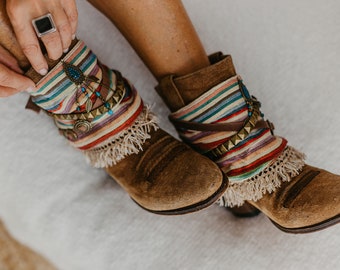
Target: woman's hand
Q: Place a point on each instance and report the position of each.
(65, 16)
(11, 79)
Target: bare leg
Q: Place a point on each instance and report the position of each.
(127, 138)
(160, 32)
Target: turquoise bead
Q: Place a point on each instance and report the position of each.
(73, 73)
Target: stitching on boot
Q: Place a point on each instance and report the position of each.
(295, 190)
(150, 154)
(165, 160)
(156, 161)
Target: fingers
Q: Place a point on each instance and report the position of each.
(53, 45)
(65, 17)
(31, 48)
(12, 82)
(65, 33)
(8, 60)
(72, 14)
(28, 40)
(7, 91)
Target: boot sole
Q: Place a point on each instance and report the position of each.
(308, 229)
(191, 208)
(247, 210)
(244, 211)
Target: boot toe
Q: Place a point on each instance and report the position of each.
(168, 177)
(311, 201)
(188, 183)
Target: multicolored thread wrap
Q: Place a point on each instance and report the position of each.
(226, 103)
(102, 114)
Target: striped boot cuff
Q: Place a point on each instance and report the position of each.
(94, 107)
(128, 141)
(282, 169)
(243, 154)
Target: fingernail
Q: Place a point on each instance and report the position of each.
(43, 71)
(30, 89)
(66, 50)
(73, 36)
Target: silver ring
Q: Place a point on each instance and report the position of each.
(44, 25)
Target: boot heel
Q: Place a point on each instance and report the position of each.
(244, 211)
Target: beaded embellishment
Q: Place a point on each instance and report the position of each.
(73, 73)
(83, 83)
(95, 108)
(82, 120)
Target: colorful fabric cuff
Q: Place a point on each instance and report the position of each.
(242, 155)
(94, 107)
(225, 103)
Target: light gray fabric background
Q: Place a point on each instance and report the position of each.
(288, 54)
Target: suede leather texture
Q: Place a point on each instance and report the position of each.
(177, 92)
(167, 175)
(311, 198)
(309, 203)
(80, 219)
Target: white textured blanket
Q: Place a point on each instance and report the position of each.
(288, 53)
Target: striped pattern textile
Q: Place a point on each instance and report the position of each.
(59, 95)
(56, 92)
(225, 103)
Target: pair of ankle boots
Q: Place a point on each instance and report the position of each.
(229, 155)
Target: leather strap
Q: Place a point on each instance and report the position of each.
(30, 105)
(242, 128)
(233, 126)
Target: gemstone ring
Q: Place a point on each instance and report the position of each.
(44, 25)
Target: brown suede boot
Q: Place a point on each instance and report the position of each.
(214, 113)
(101, 114)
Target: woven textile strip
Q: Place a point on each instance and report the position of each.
(118, 132)
(225, 103)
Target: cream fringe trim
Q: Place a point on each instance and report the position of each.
(125, 143)
(282, 169)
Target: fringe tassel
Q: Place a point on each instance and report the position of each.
(283, 169)
(127, 142)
